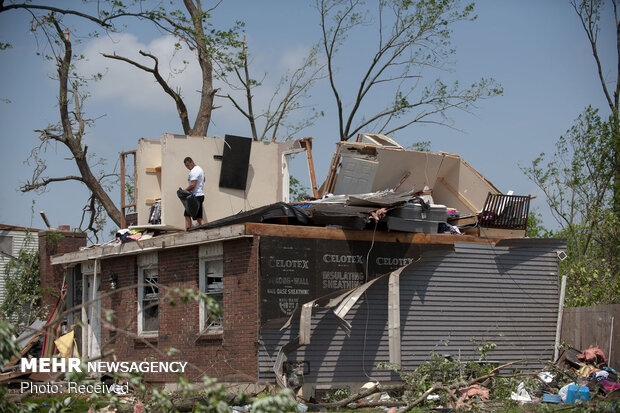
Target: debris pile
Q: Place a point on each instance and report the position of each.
(446, 382)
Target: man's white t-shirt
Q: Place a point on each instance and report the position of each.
(198, 175)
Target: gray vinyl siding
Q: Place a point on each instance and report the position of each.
(19, 242)
(508, 296)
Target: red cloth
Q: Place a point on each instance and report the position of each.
(471, 391)
(593, 355)
(609, 385)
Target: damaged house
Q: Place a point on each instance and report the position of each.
(402, 253)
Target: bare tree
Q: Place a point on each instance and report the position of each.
(411, 39)
(589, 12)
(287, 98)
(215, 52)
(71, 128)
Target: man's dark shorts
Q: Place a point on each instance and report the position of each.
(199, 213)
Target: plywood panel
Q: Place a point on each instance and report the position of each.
(441, 193)
(473, 186)
(461, 178)
(462, 186)
(423, 167)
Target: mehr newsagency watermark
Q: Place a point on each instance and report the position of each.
(73, 364)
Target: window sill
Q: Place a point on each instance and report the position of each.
(143, 340)
(217, 335)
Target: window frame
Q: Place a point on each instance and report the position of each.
(210, 253)
(146, 263)
(7, 244)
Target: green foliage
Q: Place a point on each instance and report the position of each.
(336, 395)
(422, 146)
(215, 398)
(535, 227)
(53, 239)
(185, 296)
(451, 371)
(593, 273)
(577, 183)
(297, 190)
(284, 401)
(22, 285)
(448, 370)
(196, 31)
(8, 347)
(483, 348)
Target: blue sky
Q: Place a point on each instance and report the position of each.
(536, 50)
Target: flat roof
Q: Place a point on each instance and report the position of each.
(204, 236)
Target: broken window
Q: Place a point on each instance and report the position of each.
(211, 282)
(6, 245)
(148, 294)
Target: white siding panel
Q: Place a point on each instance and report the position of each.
(20, 240)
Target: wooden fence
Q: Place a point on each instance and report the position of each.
(598, 326)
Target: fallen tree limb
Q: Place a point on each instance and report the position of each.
(434, 388)
(365, 405)
(492, 372)
(342, 403)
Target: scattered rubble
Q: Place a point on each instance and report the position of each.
(447, 383)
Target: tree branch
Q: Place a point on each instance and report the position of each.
(36, 185)
(25, 6)
(588, 17)
(180, 104)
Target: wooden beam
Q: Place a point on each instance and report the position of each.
(123, 222)
(328, 185)
(294, 231)
(307, 143)
(12, 375)
(156, 170)
(458, 195)
(135, 182)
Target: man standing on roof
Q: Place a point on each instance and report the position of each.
(195, 184)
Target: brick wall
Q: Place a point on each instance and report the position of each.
(118, 337)
(51, 276)
(229, 356)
